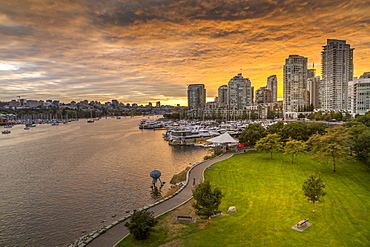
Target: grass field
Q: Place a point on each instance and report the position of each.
(269, 200)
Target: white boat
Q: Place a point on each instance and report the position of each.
(190, 132)
(26, 128)
(90, 120)
(5, 132)
(146, 124)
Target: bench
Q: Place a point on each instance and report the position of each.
(302, 223)
(181, 218)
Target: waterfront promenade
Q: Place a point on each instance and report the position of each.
(114, 235)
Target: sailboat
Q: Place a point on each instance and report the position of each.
(91, 120)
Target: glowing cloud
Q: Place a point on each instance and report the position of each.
(141, 51)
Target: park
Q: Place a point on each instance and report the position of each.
(268, 196)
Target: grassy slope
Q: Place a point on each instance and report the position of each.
(269, 201)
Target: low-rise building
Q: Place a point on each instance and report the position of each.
(359, 96)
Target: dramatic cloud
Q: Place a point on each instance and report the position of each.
(150, 50)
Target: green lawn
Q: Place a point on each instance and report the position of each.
(269, 201)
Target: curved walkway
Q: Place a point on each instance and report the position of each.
(114, 235)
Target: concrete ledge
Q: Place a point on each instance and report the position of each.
(302, 228)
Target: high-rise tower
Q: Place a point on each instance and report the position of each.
(295, 83)
(239, 93)
(196, 96)
(272, 85)
(222, 95)
(337, 71)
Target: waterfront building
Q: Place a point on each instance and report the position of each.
(273, 87)
(196, 96)
(313, 87)
(239, 94)
(295, 84)
(115, 102)
(34, 103)
(222, 95)
(14, 103)
(359, 96)
(365, 75)
(252, 94)
(263, 95)
(311, 73)
(337, 71)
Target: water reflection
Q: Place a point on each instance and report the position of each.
(156, 192)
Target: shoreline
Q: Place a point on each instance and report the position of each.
(114, 233)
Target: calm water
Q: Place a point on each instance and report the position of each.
(57, 181)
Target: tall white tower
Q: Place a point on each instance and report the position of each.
(337, 71)
(295, 83)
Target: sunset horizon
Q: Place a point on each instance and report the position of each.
(148, 51)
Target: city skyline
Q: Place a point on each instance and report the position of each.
(148, 51)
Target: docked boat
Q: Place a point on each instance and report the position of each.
(5, 132)
(190, 133)
(145, 124)
(90, 120)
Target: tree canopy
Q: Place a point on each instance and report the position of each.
(313, 189)
(334, 144)
(141, 224)
(252, 133)
(275, 128)
(295, 130)
(270, 143)
(316, 128)
(207, 200)
(294, 147)
(359, 141)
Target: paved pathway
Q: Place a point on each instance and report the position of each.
(115, 234)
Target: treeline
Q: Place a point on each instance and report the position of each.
(349, 140)
(56, 112)
(175, 115)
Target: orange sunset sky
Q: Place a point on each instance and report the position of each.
(147, 51)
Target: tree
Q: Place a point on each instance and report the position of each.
(294, 147)
(207, 200)
(365, 119)
(252, 133)
(359, 141)
(316, 128)
(275, 128)
(338, 116)
(362, 147)
(313, 189)
(334, 144)
(270, 143)
(141, 224)
(271, 114)
(295, 130)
